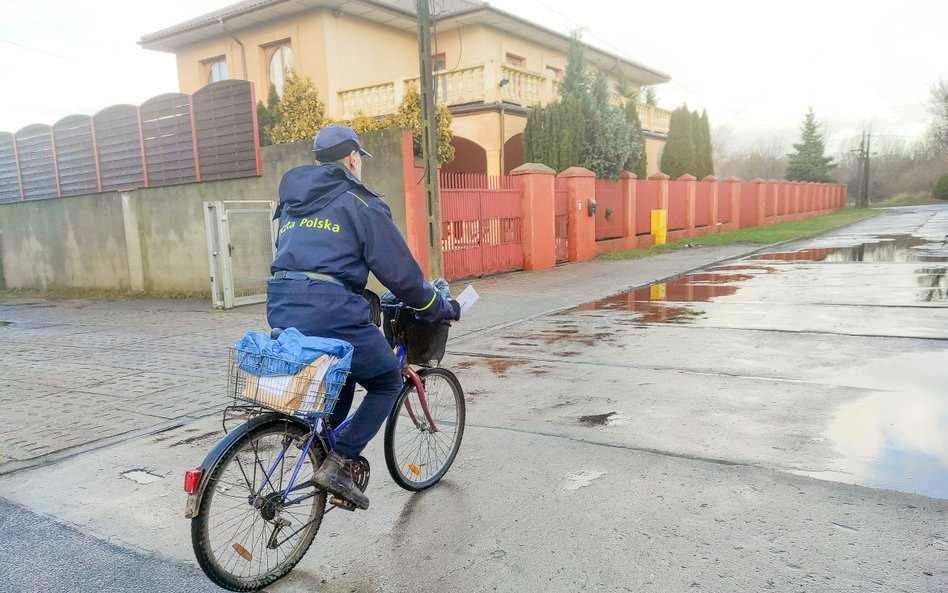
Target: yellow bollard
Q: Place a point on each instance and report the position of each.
(660, 225)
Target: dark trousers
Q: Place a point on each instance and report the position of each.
(324, 309)
(381, 393)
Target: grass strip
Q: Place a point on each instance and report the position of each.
(763, 235)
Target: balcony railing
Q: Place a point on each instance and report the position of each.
(488, 82)
(653, 119)
(456, 87)
(378, 99)
(522, 87)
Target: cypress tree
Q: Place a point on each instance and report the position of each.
(678, 157)
(705, 165)
(637, 162)
(575, 82)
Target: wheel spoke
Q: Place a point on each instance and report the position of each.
(234, 527)
(425, 449)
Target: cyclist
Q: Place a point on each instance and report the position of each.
(333, 232)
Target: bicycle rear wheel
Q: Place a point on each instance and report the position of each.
(245, 536)
(418, 454)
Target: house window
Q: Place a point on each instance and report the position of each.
(281, 64)
(216, 69)
(438, 62)
(515, 60)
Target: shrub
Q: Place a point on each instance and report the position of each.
(941, 188)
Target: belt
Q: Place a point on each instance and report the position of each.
(309, 276)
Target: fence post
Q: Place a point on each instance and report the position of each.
(713, 186)
(773, 201)
(581, 188)
(794, 200)
(733, 190)
(760, 201)
(416, 217)
(538, 229)
(689, 203)
(627, 187)
(659, 216)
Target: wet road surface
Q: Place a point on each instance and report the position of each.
(853, 326)
(771, 424)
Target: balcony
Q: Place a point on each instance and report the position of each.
(489, 82)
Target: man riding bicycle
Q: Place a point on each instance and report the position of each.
(333, 232)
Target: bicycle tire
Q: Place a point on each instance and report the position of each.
(235, 552)
(416, 457)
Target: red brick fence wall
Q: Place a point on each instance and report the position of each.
(604, 216)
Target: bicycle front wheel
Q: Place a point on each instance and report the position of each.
(249, 531)
(422, 438)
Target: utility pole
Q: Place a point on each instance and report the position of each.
(863, 152)
(429, 141)
(865, 173)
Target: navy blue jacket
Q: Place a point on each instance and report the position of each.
(332, 224)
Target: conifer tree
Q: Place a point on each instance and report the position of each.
(302, 114)
(809, 163)
(678, 156)
(575, 81)
(703, 148)
(267, 116)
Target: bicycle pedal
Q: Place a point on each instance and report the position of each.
(342, 503)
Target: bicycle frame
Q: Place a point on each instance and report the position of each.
(332, 433)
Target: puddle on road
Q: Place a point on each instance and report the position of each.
(654, 303)
(898, 438)
(934, 281)
(609, 419)
(582, 479)
(141, 476)
(888, 248)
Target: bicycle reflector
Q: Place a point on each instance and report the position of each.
(192, 478)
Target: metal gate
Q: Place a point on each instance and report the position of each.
(561, 213)
(481, 219)
(241, 240)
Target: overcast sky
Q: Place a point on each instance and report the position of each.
(755, 66)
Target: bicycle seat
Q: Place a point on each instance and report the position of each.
(275, 333)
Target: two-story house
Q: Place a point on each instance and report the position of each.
(362, 55)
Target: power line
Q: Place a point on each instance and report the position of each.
(37, 50)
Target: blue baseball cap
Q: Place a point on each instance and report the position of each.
(335, 142)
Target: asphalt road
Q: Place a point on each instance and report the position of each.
(776, 423)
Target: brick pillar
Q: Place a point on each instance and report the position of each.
(580, 187)
(538, 226)
(760, 200)
(627, 187)
(713, 206)
(773, 201)
(416, 213)
(732, 187)
(659, 216)
(689, 203)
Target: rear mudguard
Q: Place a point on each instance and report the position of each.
(224, 446)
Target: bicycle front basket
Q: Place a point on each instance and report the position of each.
(424, 342)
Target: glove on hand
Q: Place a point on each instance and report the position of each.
(456, 306)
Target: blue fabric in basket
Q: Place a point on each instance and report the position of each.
(290, 352)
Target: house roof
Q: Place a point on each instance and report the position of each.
(399, 14)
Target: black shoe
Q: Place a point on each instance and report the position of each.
(334, 477)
